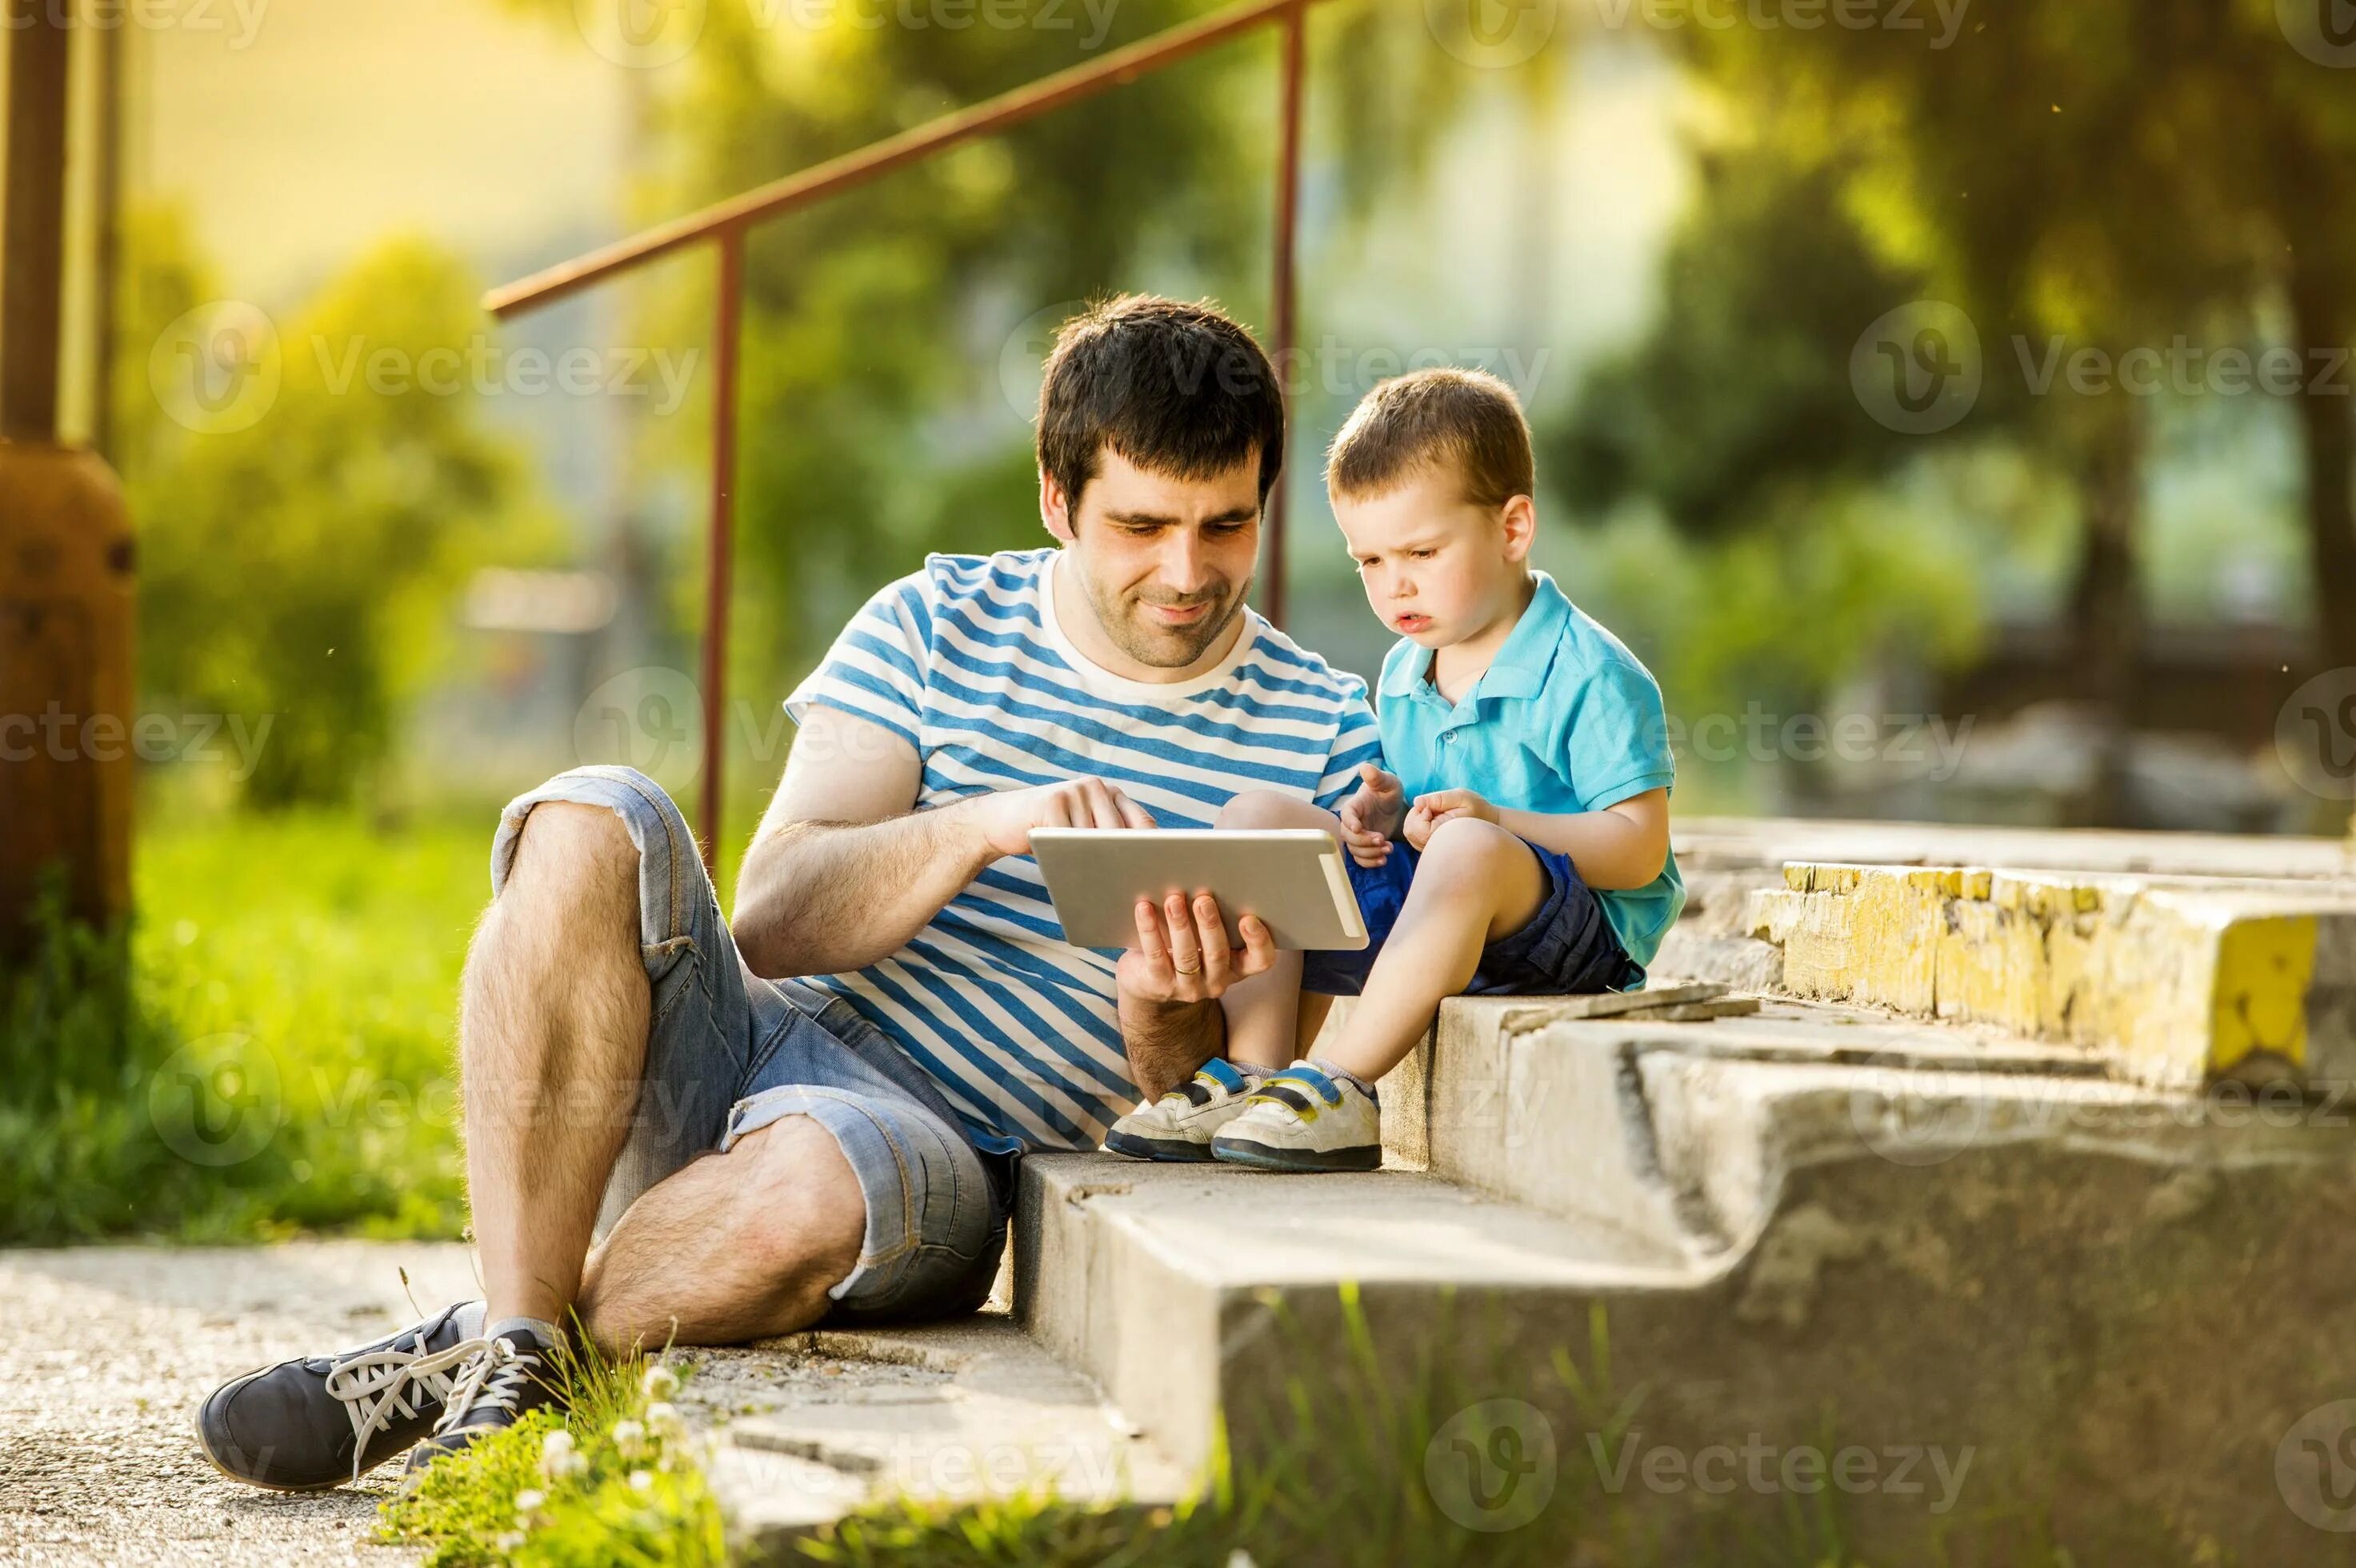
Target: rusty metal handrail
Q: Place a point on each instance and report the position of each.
(725, 224)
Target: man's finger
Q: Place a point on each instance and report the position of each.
(1149, 936)
(1186, 950)
(1096, 801)
(1258, 950)
(1211, 932)
(1132, 814)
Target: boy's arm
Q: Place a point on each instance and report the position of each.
(1622, 846)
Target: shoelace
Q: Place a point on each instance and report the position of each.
(496, 1378)
(376, 1385)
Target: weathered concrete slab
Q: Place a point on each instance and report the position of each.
(2176, 981)
(813, 1425)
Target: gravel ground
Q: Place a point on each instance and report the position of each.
(105, 1353)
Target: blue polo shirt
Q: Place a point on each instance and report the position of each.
(1565, 721)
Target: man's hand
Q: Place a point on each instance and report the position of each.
(1005, 817)
(1182, 955)
(1441, 806)
(1372, 815)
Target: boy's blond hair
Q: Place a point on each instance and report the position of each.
(1466, 421)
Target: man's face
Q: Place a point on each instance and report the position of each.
(1164, 562)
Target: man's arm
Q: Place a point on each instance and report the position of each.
(1620, 847)
(844, 869)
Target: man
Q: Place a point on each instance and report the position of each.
(665, 1137)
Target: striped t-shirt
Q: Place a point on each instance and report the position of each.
(965, 661)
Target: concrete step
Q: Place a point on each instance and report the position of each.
(2174, 980)
(1811, 1232)
(1152, 1277)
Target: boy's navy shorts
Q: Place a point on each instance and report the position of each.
(1567, 949)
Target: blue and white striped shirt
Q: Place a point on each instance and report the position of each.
(965, 661)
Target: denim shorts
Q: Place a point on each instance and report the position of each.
(729, 1053)
(1567, 949)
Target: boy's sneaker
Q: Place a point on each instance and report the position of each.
(1179, 1126)
(509, 1378)
(321, 1421)
(1304, 1119)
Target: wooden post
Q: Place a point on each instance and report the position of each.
(66, 553)
(31, 293)
(1292, 70)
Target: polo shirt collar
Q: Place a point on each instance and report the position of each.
(1521, 665)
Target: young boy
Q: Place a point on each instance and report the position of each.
(1531, 789)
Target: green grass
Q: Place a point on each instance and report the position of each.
(269, 1051)
(622, 1497)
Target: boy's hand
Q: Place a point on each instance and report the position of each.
(1439, 806)
(1372, 815)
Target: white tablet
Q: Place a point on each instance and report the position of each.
(1293, 878)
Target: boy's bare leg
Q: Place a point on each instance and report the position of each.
(1264, 1013)
(1474, 884)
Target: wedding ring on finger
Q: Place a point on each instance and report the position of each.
(1194, 968)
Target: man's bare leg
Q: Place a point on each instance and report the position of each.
(734, 1247)
(553, 1038)
(552, 1043)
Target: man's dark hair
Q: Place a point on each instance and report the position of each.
(1176, 389)
(1465, 423)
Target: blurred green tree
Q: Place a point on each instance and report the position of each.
(2073, 177)
(297, 571)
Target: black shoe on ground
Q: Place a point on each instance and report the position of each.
(509, 1377)
(322, 1420)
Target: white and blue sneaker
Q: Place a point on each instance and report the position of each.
(1180, 1124)
(1304, 1119)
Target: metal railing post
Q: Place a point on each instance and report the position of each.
(1292, 63)
(719, 560)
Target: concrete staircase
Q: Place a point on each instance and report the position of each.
(2014, 1219)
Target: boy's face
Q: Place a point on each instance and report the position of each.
(1437, 569)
